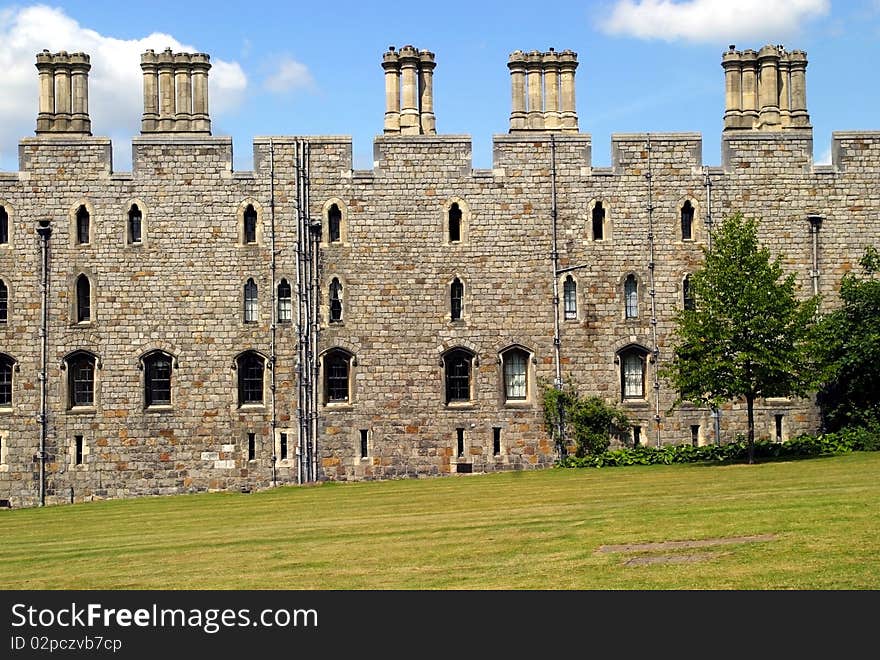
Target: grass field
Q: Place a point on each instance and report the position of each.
(808, 524)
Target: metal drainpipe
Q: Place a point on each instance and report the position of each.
(655, 352)
(45, 232)
(557, 339)
(273, 358)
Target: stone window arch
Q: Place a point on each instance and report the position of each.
(599, 220)
(633, 361)
(250, 223)
(516, 374)
(158, 367)
(458, 364)
(82, 223)
(82, 382)
(334, 226)
(456, 221)
(336, 369)
(250, 369)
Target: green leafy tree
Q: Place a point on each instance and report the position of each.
(849, 338)
(747, 335)
(589, 421)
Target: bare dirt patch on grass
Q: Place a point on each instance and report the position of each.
(647, 553)
(685, 545)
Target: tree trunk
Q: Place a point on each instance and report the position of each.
(750, 406)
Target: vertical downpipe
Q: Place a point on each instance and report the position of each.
(273, 357)
(655, 353)
(45, 232)
(557, 339)
(301, 369)
(314, 301)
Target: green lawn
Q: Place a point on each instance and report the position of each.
(818, 523)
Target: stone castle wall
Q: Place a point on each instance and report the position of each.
(180, 291)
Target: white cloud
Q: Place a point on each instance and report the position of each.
(289, 76)
(115, 80)
(712, 21)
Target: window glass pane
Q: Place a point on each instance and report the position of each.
(250, 224)
(285, 303)
(82, 225)
(336, 370)
(250, 302)
(458, 376)
(515, 364)
(335, 301)
(632, 298)
(83, 299)
(134, 224)
(454, 223)
(4, 302)
(5, 382)
(456, 294)
(569, 295)
(633, 382)
(158, 380)
(334, 222)
(82, 381)
(687, 221)
(250, 375)
(4, 225)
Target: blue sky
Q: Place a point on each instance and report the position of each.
(312, 68)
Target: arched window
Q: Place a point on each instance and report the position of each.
(82, 225)
(337, 369)
(4, 302)
(687, 221)
(632, 372)
(335, 300)
(569, 298)
(4, 226)
(80, 379)
(334, 223)
(456, 299)
(454, 223)
(457, 366)
(250, 224)
(687, 293)
(631, 296)
(251, 307)
(516, 371)
(598, 222)
(250, 367)
(83, 299)
(7, 366)
(285, 302)
(157, 379)
(135, 218)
